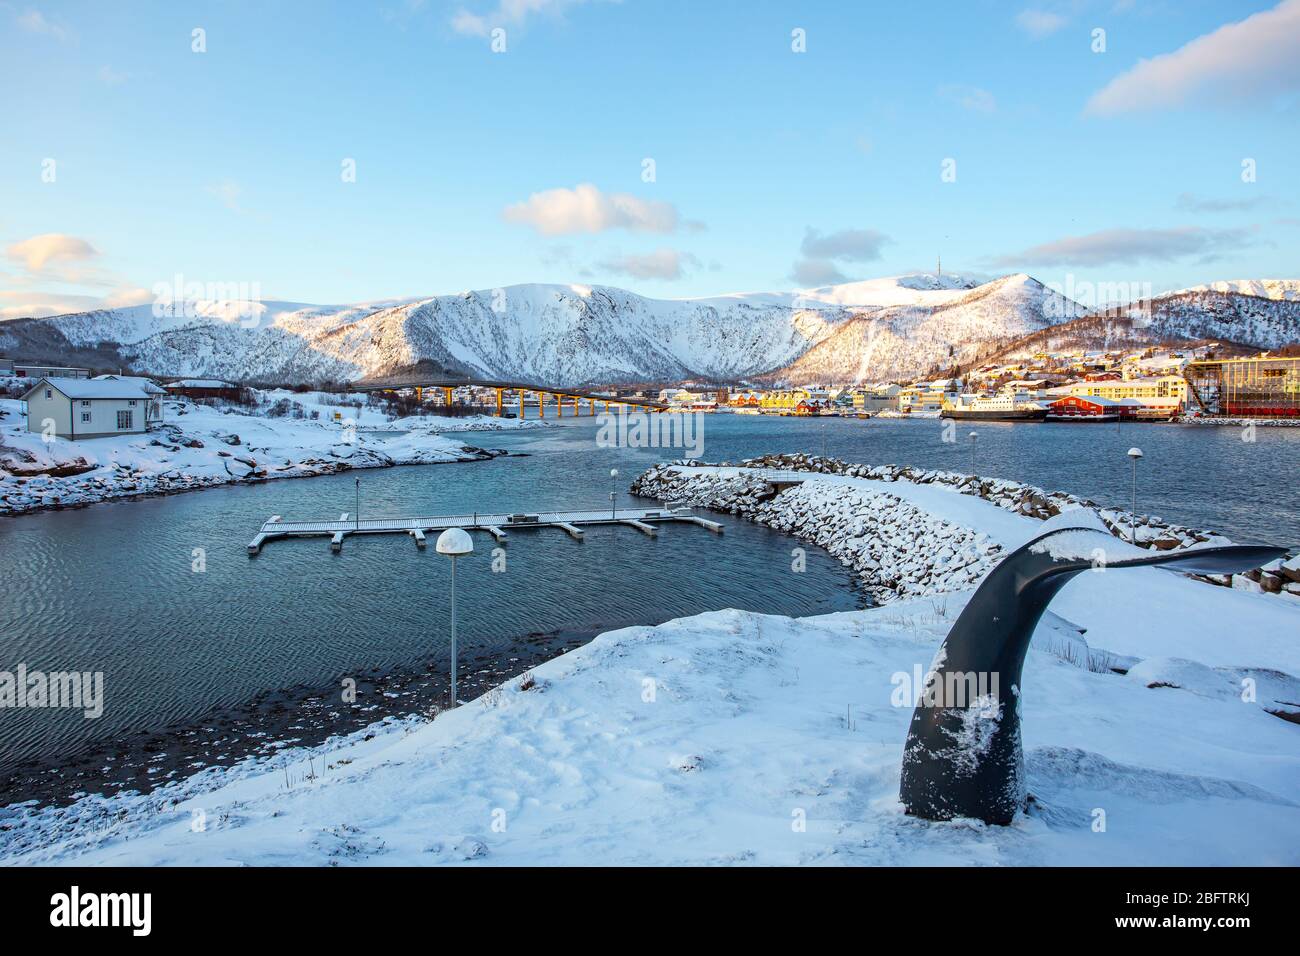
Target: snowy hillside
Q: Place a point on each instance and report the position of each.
(1288, 289)
(938, 329)
(1176, 318)
(898, 327)
(545, 333)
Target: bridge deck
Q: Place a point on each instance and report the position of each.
(495, 524)
(371, 385)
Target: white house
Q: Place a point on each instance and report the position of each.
(91, 408)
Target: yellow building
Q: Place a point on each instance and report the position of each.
(784, 400)
(1163, 390)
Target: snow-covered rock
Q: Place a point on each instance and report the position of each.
(865, 519)
(198, 447)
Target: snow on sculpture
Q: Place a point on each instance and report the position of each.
(963, 756)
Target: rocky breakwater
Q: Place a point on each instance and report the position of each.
(897, 550)
(737, 496)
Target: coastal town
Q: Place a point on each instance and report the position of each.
(1149, 385)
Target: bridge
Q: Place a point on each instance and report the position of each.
(448, 386)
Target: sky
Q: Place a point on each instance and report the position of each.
(348, 152)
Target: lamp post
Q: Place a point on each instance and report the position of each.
(1134, 454)
(972, 454)
(613, 508)
(455, 543)
(356, 515)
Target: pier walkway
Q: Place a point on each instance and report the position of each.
(497, 525)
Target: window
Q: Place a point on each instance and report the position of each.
(85, 404)
(131, 402)
(85, 418)
(123, 420)
(49, 393)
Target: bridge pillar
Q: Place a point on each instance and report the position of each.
(541, 404)
(446, 392)
(577, 410)
(521, 404)
(559, 407)
(419, 394)
(499, 391)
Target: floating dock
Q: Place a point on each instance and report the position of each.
(496, 525)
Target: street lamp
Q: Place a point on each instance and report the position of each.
(613, 511)
(1134, 454)
(455, 543)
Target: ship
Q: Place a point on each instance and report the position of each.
(996, 408)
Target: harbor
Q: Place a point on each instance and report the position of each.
(570, 522)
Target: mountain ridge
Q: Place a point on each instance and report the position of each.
(870, 330)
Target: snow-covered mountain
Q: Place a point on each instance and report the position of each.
(937, 328)
(1261, 288)
(570, 334)
(567, 334)
(1193, 315)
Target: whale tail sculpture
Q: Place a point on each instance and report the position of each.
(963, 756)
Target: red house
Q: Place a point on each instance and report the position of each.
(1085, 408)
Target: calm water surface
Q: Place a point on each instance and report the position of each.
(111, 587)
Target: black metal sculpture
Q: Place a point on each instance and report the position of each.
(963, 756)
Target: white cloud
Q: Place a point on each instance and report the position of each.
(1253, 58)
(506, 13)
(33, 21)
(18, 304)
(1040, 23)
(558, 212)
(820, 251)
(1194, 203)
(663, 263)
(969, 97)
(1110, 246)
(811, 273)
(856, 245)
(51, 248)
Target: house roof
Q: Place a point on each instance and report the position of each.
(199, 383)
(85, 388)
(143, 380)
(1097, 400)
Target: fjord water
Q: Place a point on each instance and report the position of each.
(112, 588)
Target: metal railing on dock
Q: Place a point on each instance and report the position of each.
(497, 524)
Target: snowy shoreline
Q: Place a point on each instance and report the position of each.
(706, 739)
(199, 447)
(885, 523)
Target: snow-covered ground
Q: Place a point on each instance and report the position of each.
(740, 738)
(198, 446)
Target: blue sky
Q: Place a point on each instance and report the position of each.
(772, 168)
